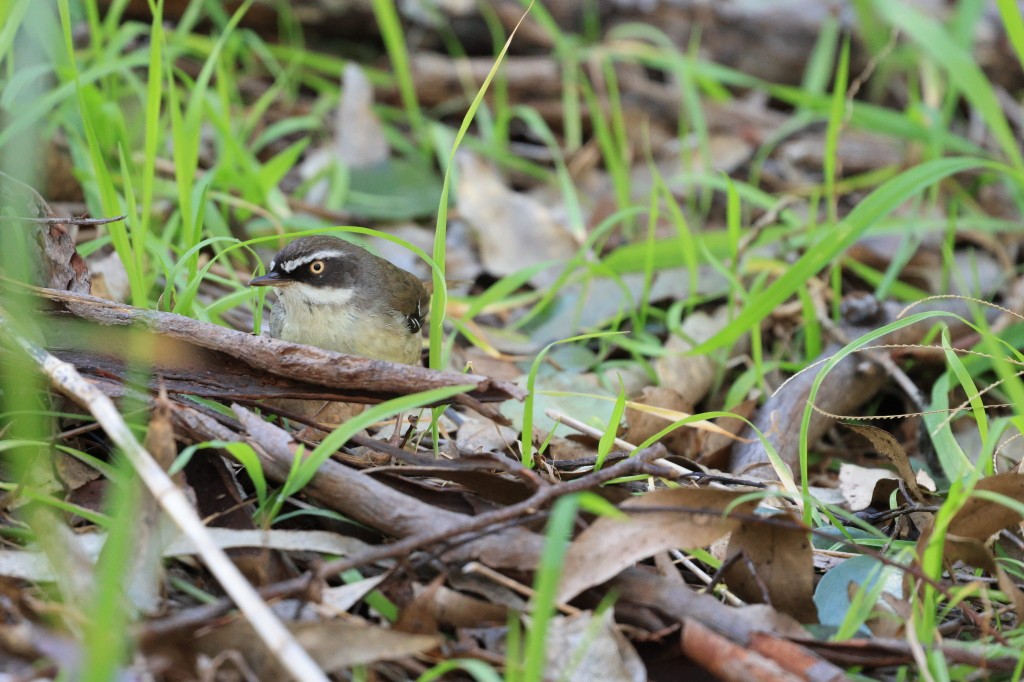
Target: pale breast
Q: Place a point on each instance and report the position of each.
(344, 329)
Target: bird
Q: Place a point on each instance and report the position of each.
(338, 296)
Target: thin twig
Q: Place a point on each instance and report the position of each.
(632, 466)
(477, 568)
(586, 429)
(63, 221)
(308, 583)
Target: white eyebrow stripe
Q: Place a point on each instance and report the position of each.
(290, 265)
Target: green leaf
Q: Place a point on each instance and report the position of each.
(394, 190)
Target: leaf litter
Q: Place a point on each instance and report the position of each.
(370, 563)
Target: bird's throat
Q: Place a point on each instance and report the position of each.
(331, 320)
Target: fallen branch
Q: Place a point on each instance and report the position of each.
(238, 353)
(420, 525)
(65, 378)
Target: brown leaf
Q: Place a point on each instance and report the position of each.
(858, 484)
(887, 445)
(643, 424)
(478, 434)
(714, 451)
(144, 575)
(73, 473)
(976, 522)
(109, 276)
(974, 552)
(783, 562)
(455, 609)
(697, 521)
(590, 647)
(980, 519)
(690, 375)
(513, 230)
(333, 644)
(418, 616)
(361, 141)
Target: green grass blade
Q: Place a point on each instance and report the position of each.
(961, 68)
(394, 42)
(873, 208)
(439, 300)
(545, 585)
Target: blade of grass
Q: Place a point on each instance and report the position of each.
(394, 42)
(531, 381)
(961, 68)
(880, 202)
(439, 300)
(836, 119)
(1013, 24)
(186, 134)
(545, 585)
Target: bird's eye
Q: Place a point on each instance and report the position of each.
(317, 267)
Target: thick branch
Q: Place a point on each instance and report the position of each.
(348, 375)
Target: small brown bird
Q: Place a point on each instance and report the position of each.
(339, 296)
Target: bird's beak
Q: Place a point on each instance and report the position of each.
(271, 279)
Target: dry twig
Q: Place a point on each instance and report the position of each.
(64, 377)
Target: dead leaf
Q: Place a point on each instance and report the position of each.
(72, 472)
(886, 444)
(974, 552)
(341, 598)
(34, 566)
(858, 484)
(479, 434)
(513, 230)
(980, 519)
(691, 375)
(418, 616)
(455, 609)
(725, 154)
(858, 152)
(359, 135)
(109, 277)
(643, 424)
(590, 647)
(783, 562)
(714, 451)
(697, 522)
(976, 522)
(358, 141)
(320, 541)
(333, 644)
(863, 487)
(144, 575)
